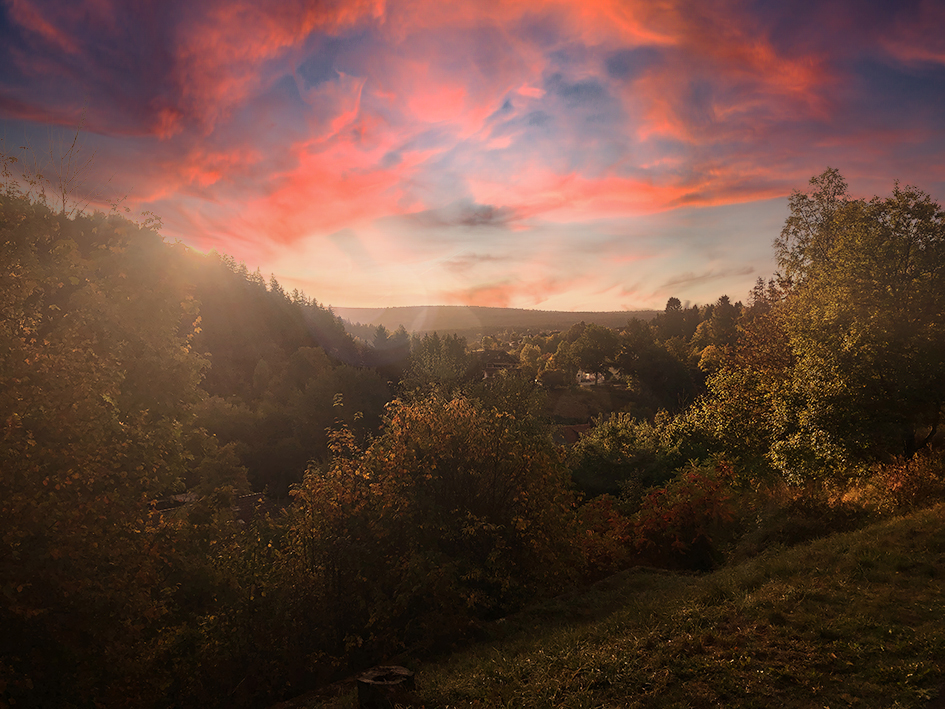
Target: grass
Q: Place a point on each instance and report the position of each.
(853, 620)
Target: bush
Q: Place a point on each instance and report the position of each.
(901, 486)
(622, 454)
(455, 512)
(677, 524)
(606, 539)
(783, 515)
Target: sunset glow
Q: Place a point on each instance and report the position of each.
(596, 155)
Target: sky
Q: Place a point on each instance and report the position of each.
(578, 155)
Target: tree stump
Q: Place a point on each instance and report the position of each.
(382, 687)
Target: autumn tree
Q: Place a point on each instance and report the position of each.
(98, 380)
(454, 511)
(750, 402)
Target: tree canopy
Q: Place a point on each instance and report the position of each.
(865, 317)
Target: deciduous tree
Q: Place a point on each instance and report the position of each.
(866, 320)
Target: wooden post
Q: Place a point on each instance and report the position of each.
(382, 687)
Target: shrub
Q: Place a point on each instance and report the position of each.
(785, 515)
(622, 454)
(676, 524)
(901, 486)
(606, 539)
(455, 512)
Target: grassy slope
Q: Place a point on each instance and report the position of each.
(854, 620)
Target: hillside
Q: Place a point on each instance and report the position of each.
(856, 619)
(468, 320)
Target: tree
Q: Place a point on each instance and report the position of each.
(866, 322)
(381, 338)
(456, 509)
(595, 349)
(662, 378)
(438, 362)
(670, 322)
(624, 456)
(98, 380)
(530, 357)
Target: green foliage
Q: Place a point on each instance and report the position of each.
(552, 378)
(676, 321)
(278, 433)
(623, 455)
(750, 402)
(719, 329)
(866, 321)
(244, 323)
(438, 363)
(595, 349)
(840, 363)
(658, 371)
(530, 357)
(390, 352)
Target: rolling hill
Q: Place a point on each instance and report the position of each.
(470, 320)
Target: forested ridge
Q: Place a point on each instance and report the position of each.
(418, 486)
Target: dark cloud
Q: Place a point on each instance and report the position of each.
(465, 262)
(113, 63)
(539, 30)
(831, 28)
(506, 109)
(391, 158)
(488, 50)
(465, 213)
(630, 64)
(686, 280)
(538, 119)
(897, 95)
(584, 92)
(330, 55)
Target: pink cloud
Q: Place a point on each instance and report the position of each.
(528, 291)
(496, 295)
(220, 52)
(272, 125)
(33, 19)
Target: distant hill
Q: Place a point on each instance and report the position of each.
(471, 320)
